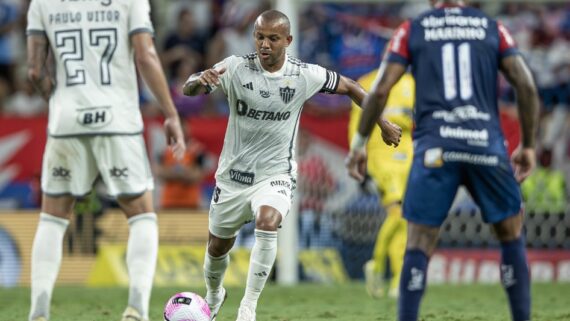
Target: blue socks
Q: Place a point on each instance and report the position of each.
(515, 278)
(412, 284)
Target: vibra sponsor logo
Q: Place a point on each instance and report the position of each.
(242, 177)
(461, 114)
(462, 133)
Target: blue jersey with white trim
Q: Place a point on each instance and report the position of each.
(454, 53)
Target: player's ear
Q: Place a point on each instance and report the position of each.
(289, 40)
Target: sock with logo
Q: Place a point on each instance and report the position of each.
(412, 284)
(142, 251)
(46, 259)
(515, 278)
(262, 258)
(214, 271)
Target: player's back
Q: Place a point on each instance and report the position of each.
(454, 53)
(97, 88)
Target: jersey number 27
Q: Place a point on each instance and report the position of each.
(69, 44)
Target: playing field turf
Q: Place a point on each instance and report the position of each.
(551, 302)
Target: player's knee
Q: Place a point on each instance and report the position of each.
(267, 219)
(267, 225)
(509, 229)
(218, 247)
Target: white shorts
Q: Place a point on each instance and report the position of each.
(234, 205)
(71, 165)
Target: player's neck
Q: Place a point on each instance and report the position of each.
(447, 4)
(273, 67)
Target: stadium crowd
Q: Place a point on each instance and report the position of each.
(192, 35)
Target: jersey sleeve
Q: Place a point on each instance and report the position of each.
(230, 63)
(139, 17)
(35, 21)
(320, 80)
(398, 49)
(507, 45)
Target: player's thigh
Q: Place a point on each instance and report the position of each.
(494, 189)
(68, 168)
(123, 163)
(430, 191)
(275, 193)
(60, 206)
(138, 204)
(229, 210)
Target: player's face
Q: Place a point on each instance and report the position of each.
(271, 41)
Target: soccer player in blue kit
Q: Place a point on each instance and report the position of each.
(455, 53)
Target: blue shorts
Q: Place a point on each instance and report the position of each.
(436, 175)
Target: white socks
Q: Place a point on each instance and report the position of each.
(46, 259)
(214, 271)
(142, 252)
(262, 258)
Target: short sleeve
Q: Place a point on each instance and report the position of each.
(507, 45)
(230, 63)
(139, 17)
(398, 49)
(35, 21)
(321, 80)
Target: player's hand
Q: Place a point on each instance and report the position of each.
(524, 162)
(211, 77)
(391, 133)
(356, 164)
(174, 136)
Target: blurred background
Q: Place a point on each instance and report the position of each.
(331, 230)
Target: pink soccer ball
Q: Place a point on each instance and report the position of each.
(186, 306)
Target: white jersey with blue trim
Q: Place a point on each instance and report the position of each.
(265, 109)
(97, 90)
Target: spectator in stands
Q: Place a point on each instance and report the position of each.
(184, 42)
(545, 190)
(9, 19)
(315, 185)
(188, 106)
(25, 102)
(235, 37)
(182, 178)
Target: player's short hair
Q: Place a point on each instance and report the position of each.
(277, 17)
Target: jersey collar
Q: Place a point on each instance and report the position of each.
(277, 73)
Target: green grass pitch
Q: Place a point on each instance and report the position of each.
(307, 302)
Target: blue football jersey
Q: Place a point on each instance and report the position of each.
(454, 54)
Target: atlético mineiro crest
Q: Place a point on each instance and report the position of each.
(287, 94)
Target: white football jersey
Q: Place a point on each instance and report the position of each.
(265, 109)
(96, 90)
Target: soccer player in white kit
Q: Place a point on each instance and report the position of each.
(95, 130)
(256, 174)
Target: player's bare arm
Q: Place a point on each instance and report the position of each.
(38, 72)
(373, 106)
(203, 82)
(391, 133)
(150, 68)
(518, 74)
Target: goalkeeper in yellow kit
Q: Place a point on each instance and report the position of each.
(389, 168)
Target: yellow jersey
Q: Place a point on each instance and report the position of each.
(389, 166)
